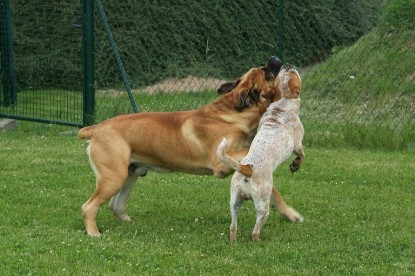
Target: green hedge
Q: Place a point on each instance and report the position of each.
(158, 39)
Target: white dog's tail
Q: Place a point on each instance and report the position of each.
(220, 152)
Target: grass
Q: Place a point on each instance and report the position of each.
(357, 205)
(364, 95)
(375, 124)
(115, 103)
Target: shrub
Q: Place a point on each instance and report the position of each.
(158, 39)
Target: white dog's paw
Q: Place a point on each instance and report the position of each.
(292, 215)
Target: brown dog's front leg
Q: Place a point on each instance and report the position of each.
(222, 171)
(287, 211)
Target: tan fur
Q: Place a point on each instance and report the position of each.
(279, 134)
(125, 147)
(234, 164)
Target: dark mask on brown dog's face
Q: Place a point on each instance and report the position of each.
(248, 99)
(255, 83)
(271, 69)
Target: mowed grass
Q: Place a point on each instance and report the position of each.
(358, 208)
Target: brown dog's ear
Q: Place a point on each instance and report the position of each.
(226, 87)
(248, 99)
(272, 68)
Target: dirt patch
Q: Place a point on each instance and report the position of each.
(411, 77)
(187, 84)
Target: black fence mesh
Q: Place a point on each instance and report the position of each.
(356, 59)
(46, 61)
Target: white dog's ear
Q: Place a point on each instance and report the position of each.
(294, 84)
(290, 83)
(293, 89)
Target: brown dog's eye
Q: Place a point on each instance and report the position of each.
(255, 94)
(247, 99)
(269, 76)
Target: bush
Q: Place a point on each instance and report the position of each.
(158, 39)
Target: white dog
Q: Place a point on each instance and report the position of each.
(280, 133)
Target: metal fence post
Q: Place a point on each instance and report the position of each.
(88, 62)
(116, 54)
(6, 49)
(281, 29)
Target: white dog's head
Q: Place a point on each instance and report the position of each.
(288, 82)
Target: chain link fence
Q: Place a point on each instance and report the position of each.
(358, 75)
(41, 61)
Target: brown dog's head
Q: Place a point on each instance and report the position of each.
(288, 82)
(255, 86)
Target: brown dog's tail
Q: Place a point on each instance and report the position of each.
(86, 132)
(237, 166)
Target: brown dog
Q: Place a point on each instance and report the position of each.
(125, 147)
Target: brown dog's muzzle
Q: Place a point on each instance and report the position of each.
(255, 86)
(270, 69)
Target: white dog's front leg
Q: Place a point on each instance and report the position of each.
(299, 151)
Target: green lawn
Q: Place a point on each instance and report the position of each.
(358, 208)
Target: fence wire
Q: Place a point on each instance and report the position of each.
(46, 61)
(358, 76)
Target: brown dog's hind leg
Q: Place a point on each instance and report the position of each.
(106, 188)
(287, 211)
(111, 170)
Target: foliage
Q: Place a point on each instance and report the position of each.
(313, 28)
(361, 95)
(47, 48)
(157, 39)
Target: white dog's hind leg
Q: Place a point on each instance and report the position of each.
(262, 203)
(235, 204)
(118, 203)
